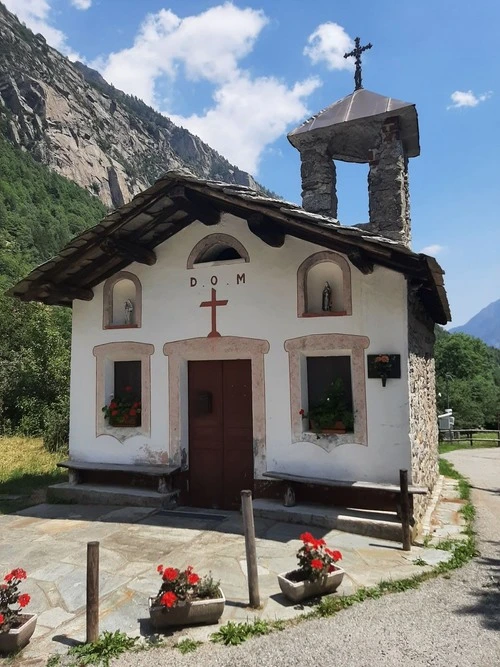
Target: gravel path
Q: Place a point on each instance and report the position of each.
(451, 622)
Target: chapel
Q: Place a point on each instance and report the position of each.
(224, 339)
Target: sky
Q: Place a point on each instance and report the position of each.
(241, 75)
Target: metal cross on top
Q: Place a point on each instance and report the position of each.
(356, 53)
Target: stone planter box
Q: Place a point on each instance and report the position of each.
(301, 590)
(197, 612)
(15, 639)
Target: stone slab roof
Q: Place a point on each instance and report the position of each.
(179, 198)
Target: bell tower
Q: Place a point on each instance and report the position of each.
(363, 127)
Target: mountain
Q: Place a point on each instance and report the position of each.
(485, 325)
(69, 118)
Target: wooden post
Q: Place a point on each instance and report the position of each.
(251, 551)
(92, 591)
(470, 435)
(405, 509)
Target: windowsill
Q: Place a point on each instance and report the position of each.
(327, 441)
(121, 326)
(122, 433)
(339, 313)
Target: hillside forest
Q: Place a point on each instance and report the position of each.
(39, 212)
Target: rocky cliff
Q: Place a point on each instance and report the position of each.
(72, 120)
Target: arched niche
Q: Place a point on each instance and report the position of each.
(217, 249)
(122, 301)
(312, 276)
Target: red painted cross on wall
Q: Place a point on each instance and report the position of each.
(213, 303)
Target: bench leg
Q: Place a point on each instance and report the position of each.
(289, 497)
(74, 477)
(163, 485)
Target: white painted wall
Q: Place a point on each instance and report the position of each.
(264, 307)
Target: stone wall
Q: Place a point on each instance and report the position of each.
(422, 399)
(319, 179)
(388, 187)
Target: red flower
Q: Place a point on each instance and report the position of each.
(128, 388)
(137, 404)
(8, 577)
(24, 600)
(317, 564)
(336, 555)
(170, 574)
(2, 619)
(159, 569)
(113, 405)
(132, 412)
(319, 543)
(168, 599)
(302, 412)
(114, 413)
(189, 569)
(19, 573)
(307, 538)
(193, 579)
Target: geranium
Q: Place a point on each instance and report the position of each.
(11, 600)
(168, 599)
(124, 409)
(181, 585)
(315, 558)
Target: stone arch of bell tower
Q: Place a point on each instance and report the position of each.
(368, 128)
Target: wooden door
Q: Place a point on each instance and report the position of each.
(220, 432)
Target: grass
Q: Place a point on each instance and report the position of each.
(109, 645)
(187, 645)
(232, 634)
(26, 469)
(447, 446)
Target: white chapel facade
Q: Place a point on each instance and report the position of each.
(214, 326)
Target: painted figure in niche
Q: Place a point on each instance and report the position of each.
(326, 303)
(129, 311)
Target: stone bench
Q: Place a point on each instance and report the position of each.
(163, 473)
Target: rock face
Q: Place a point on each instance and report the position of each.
(70, 119)
(422, 394)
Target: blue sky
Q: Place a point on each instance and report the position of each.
(242, 74)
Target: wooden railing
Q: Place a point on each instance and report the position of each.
(470, 434)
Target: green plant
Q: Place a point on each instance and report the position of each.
(109, 645)
(232, 634)
(184, 585)
(315, 559)
(53, 661)
(187, 645)
(420, 562)
(332, 408)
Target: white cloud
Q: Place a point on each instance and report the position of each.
(328, 43)
(433, 249)
(466, 98)
(35, 14)
(247, 114)
(208, 45)
(82, 4)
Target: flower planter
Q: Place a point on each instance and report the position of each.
(301, 590)
(196, 612)
(16, 638)
(127, 421)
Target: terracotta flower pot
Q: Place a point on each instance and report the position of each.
(196, 612)
(301, 590)
(337, 428)
(128, 421)
(16, 638)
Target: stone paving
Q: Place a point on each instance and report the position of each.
(49, 541)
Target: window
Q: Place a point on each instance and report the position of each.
(316, 361)
(123, 375)
(127, 394)
(324, 286)
(122, 301)
(329, 394)
(217, 248)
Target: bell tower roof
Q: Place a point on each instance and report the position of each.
(351, 126)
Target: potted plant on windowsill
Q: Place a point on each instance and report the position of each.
(331, 415)
(16, 627)
(185, 599)
(124, 410)
(317, 573)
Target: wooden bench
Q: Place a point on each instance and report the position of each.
(404, 493)
(163, 473)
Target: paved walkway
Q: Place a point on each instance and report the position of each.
(49, 541)
(447, 622)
